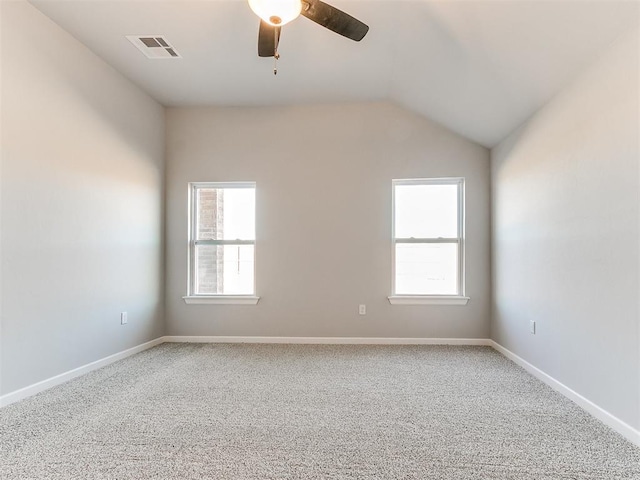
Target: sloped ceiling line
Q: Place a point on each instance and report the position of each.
(480, 68)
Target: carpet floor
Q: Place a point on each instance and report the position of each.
(207, 411)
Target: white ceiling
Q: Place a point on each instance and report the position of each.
(478, 67)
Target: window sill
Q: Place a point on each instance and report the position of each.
(221, 300)
(427, 300)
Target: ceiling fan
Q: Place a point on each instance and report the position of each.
(276, 13)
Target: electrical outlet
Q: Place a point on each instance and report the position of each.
(362, 309)
(123, 318)
(532, 327)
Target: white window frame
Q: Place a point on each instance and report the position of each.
(219, 299)
(425, 299)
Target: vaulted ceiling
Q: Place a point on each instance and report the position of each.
(479, 67)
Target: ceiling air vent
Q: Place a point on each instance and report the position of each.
(154, 46)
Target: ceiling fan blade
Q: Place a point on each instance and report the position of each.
(334, 19)
(268, 39)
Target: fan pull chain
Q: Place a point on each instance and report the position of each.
(276, 55)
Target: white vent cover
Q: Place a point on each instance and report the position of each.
(154, 46)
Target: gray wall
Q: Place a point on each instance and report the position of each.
(565, 235)
(323, 178)
(81, 204)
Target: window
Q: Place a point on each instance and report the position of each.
(222, 243)
(428, 241)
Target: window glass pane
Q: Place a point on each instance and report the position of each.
(426, 269)
(209, 203)
(239, 214)
(426, 211)
(226, 213)
(224, 269)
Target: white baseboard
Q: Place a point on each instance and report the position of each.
(601, 414)
(330, 340)
(25, 392)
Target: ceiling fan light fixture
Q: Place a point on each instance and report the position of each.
(276, 12)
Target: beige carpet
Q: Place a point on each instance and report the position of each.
(198, 411)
